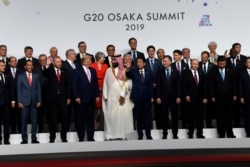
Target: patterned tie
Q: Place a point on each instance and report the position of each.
(196, 78)
(58, 75)
(29, 80)
(88, 75)
(142, 76)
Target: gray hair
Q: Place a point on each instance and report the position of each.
(212, 43)
(98, 55)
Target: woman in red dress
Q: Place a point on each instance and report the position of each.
(100, 68)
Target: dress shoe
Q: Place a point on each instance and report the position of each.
(64, 140)
(200, 137)
(140, 138)
(35, 142)
(80, 140)
(231, 136)
(164, 137)
(175, 137)
(6, 142)
(190, 136)
(24, 142)
(91, 139)
(52, 141)
(149, 138)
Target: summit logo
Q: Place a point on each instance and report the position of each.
(205, 22)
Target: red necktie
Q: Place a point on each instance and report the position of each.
(196, 78)
(29, 79)
(58, 75)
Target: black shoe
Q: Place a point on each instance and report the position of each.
(149, 138)
(164, 137)
(52, 141)
(200, 137)
(140, 138)
(6, 142)
(24, 142)
(35, 142)
(190, 136)
(231, 136)
(80, 140)
(175, 137)
(91, 139)
(64, 140)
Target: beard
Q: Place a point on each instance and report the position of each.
(115, 65)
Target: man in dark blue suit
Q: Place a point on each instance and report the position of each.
(5, 101)
(82, 46)
(133, 52)
(205, 66)
(154, 65)
(169, 96)
(244, 95)
(86, 94)
(142, 96)
(181, 66)
(29, 98)
(13, 72)
(28, 51)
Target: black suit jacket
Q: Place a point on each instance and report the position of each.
(106, 61)
(79, 61)
(139, 54)
(141, 90)
(5, 91)
(223, 91)
(13, 82)
(21, 62)
(189, 87)
(184, 67)
(168, 89)
(156, 69)
(244, 85)
(43, 74)
(54, 87)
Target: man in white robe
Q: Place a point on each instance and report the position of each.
(117, 106)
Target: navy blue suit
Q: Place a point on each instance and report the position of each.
(5, 101)
(79, 60)
(244, 92)
(138, 54)
(168, 90)
(141, 94)
(29, 96)
(87, 91)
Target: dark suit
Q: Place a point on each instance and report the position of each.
(42, 111)
(209, 108)
(183, 107)
(87, 91)
(168, 90)
(223, 92)
(196, 93)
(141, 94)
(15, 117)
(156, 107)
(79, 58)
(237, 107)
(244, 92)
(188, 64)
(5, 101)
(138, 54)
(59, 92)
(6, 61)
(71, 108)
(21, 62)
(29, 96)
(106, 61)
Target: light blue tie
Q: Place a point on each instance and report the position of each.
(222, 74)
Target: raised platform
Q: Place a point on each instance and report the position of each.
(211, 142)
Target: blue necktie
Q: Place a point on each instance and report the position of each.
(167, 74)
(134, 56)
(222, 74)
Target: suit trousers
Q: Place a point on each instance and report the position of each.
(143, 117)
(166, 106)
(5, 119)
(85, 120)
(246, 117)
(29, 112)
(58, 112)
